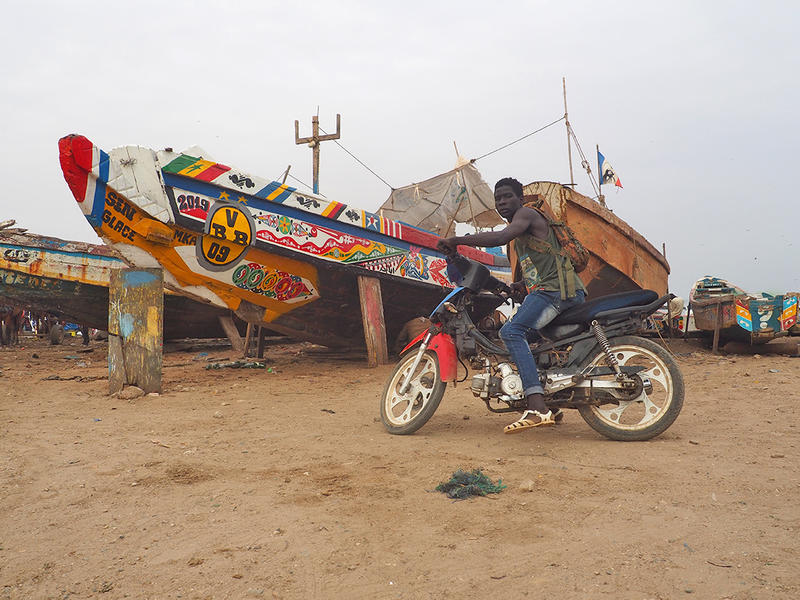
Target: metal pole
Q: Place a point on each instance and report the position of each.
(600, 197)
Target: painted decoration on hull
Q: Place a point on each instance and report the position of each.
(14, 279)
(278, 283)
(143, 176)
(228, 232)
(789, 314)
(72, 266)
(775, 314)
(272, 283)
(225, 236)
(235, 189)
(222, 216)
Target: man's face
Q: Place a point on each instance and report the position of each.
(506, 202)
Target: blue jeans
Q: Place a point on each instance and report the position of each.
(537, 310)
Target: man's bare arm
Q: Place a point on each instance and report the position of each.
(522, 221)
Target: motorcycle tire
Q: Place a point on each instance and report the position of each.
(646, 414)
(403, 414)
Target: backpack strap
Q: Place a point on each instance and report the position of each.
(566, 275)
(564, 267)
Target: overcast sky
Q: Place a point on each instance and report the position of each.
(694, 103)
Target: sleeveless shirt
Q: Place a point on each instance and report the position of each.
(540, 265)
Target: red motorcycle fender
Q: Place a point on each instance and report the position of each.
(444, 348)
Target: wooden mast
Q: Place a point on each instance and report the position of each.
(569, 142)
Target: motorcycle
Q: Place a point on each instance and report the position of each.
(625, 387)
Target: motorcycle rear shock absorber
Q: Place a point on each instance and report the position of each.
(601, 338)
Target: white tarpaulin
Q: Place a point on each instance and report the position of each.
(438, 203)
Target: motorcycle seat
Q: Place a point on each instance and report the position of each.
(587, 311)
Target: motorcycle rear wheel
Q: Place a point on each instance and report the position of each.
(403, 414)
(650, 412)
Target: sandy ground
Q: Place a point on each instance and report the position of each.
(284, 484)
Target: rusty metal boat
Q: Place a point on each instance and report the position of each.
(621, 259)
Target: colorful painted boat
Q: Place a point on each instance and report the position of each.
(621, 259)
(277, 257)
(795, 329)
(742, 316)
(70, 281)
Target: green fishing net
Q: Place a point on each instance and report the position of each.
(464, 484)
(238, 364)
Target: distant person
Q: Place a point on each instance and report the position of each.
(535, 243)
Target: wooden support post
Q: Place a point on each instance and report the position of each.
(717, 325)
(686, 324)
(262, 335)
(248, 334)
(369, 290)
(669, 318)
(233, 334)
(135, 329)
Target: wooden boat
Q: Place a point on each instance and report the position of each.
(795, 329)
(740, 316)
(70, 281)
(287, 260)
(621, 259)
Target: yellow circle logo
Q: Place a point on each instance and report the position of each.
(229, 231)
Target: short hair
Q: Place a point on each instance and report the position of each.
(512, 183)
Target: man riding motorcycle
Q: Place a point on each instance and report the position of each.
(550, 289)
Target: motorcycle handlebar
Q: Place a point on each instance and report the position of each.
(499, 287)
(475, 275)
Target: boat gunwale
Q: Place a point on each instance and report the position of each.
(612, 219)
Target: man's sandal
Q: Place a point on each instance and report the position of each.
(530, 418)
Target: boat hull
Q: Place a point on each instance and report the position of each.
(621, 259)
(70, 281)
(740, 316)
(280, 259)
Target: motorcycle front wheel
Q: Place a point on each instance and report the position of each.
(403, 414)
(648, 410)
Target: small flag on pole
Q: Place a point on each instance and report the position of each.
(607, 173)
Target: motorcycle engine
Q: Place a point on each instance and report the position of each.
(511, 382)
(507, 386)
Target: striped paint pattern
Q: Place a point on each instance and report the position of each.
(221, 175)
(245, 184)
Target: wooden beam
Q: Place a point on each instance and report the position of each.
(233, 334)
(247, 336)
(717, 325)
(262, 335)
(686, 325)
(369, 290)
(135, 329)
